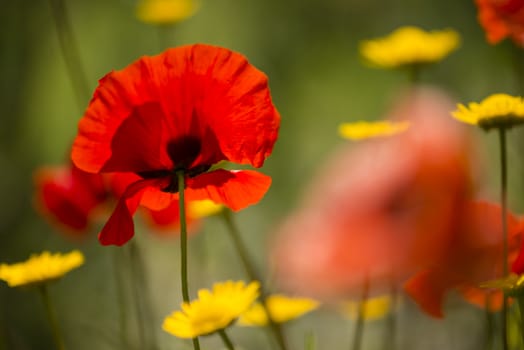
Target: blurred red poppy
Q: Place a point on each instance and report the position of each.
(73, 199)
(69, 196)
(381, 210)
(474, 255)
(501, 19)
(183, 110)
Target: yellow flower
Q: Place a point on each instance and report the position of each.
(213, 310)
(281, 308)
(40, 268)
(512, 285)
(203, 208)
(497, 110)
(165, 11)
(374, 308)
(365, 130)
(408, 46)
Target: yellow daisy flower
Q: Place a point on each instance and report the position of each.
(365, 130)
(213, 310)
(374, 308)
(40, 268)
(409, 46)
(497, 110)
(281, 308)
(512, 285)
(166, 11)
(203, 208)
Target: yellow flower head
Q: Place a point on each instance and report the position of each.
(203, 208)
(365, 130)
(165, 11)
(40, 268)
(281, 308)
(213, 310)
(498, 110)
(374, 308)
(409, 46)
(512, 285)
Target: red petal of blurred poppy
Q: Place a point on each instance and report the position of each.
(198, 92)
(482, 297)
(69, 195)
(235, 189)
(120, 228)
(427, 290)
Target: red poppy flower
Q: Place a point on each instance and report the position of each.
(501, 19)
(69, 196)
(474, 255)
(380, 210)
(183, 110)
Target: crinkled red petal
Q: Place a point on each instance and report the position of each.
(199, 91)
(234, 189)
(120, 227)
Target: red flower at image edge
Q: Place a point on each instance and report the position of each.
(501, 19)
(185, 109)
(73, 200)
(68, 196)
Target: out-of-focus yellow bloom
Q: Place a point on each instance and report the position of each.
(409, 46)
(166, 11)
(203, 208)
(374, 308)
(512, 285)
(281, 308)
(40, 268)
(497, 110)
(365, 130)
(213, 310)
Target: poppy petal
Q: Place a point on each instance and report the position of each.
(68, 195)
(120, 227)
(425, 289)
(235, 189)
(207, 97)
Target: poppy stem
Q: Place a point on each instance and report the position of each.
(520, 301)
(226, 340)
(252, 275)
(503, 200)
(183, 243)
(69, 48)
(359, 326)
(51, 316)
(142, 296)
(118, 267)
(310, 341)
(391, 338)
(490, 324)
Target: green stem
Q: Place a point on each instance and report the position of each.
(183, 242)
(503, 199)
(359, 326)
(490, 323)
(241, 249)
(119, 267)
(51, 316)
(137, 296)
(391, 338)
(518, 64)
(414, 74)
(520, 301)
(310, 341)
(70, 52)
(142, 288)
(226, 340)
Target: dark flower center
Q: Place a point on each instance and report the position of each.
(182, 152)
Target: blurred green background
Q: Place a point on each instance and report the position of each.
(308, 48)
